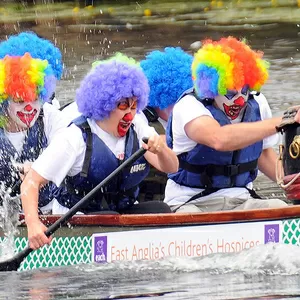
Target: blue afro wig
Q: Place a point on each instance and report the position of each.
(106, 84)
(169, 75)
(18, 45)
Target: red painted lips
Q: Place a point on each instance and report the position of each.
(27, 118)
(124, 124)
(233, 111)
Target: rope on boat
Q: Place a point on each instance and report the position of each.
(279, 167)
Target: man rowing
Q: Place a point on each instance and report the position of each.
(94, 145)
(222, 132)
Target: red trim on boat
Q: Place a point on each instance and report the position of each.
(178, 218)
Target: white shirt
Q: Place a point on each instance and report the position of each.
(65, 155)
(186, 110)
(55, 103)
(70, 112)
(159, 119)
(53, 123)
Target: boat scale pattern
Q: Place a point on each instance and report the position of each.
(78, 250)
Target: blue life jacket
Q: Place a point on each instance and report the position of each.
(99, 162)
(206, 168)
(35, 142)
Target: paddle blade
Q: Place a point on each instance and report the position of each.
(14, 263)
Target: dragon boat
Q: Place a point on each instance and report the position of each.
(83, 239)
(108, 238)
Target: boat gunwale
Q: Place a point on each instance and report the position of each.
(178, 219)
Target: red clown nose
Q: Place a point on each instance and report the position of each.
(28, 107)
(128, 117)
(239, 101)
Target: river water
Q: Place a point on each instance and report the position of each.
(270, 271)
(265, 272)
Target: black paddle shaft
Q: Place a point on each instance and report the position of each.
(13, 263)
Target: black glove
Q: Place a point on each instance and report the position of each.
(288, 118)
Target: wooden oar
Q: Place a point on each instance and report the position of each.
(13, 263)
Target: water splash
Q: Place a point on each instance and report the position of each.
(9, 220)
(269, 259)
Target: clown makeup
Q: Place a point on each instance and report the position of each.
(232, 93)
(23, 114)
(120, 119)
(128, 108)
(126, 103)
(233, 103)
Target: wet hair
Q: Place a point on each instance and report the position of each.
(106, 84)
(169, 75)
(227, 64)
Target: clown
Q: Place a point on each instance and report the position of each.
(222, 131)
(26, 84)
(169, 75)
(106, 133)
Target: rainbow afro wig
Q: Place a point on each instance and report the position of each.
(23, 78)
(169, 75)
(106, 84)
(28, 42)
(227, 64)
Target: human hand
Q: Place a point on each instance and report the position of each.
(290, 116)
(24, 169)
(36, 235)
(156, 144)
(297, 116)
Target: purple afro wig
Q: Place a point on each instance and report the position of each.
(106, 84)
(169, 74)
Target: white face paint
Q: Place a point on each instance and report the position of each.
(24, 114)
(233, 103)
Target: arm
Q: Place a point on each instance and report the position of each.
(207, 131)
(267, 163)
(52, 165)
(29, 196)
(160, 155)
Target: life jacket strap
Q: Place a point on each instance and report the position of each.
(217, 170)
(204, 193)
(151, 114)
(89, 148)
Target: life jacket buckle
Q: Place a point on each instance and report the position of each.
(231, 170)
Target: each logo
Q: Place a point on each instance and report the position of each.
(272, 233)
(137, 168)
(100, 249)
